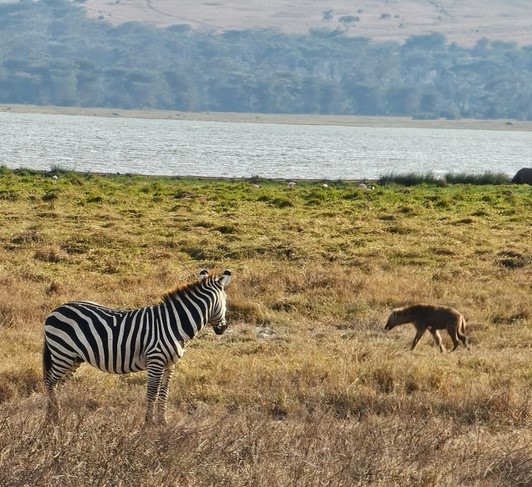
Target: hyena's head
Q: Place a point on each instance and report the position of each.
(392, 321)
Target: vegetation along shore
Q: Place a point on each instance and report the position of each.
(305, 387)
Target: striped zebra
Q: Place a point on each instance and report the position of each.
(115, 341)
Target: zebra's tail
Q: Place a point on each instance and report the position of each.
(46, 360)
(52, 413)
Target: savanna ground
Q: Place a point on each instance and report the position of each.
(305, 388)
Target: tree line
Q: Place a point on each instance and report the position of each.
(52, 54)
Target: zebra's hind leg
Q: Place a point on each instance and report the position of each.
(54, 370)
(162, 397)
(155, 377)
(52, 411)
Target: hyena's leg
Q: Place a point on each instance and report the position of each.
(163, 394)
(464, 340)
(453, 333)
(437, 338)
(155, 375)
(420, 331)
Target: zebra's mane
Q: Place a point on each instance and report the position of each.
(181, 289)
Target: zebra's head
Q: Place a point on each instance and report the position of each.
(216, 284)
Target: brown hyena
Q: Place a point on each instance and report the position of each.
(432, 318)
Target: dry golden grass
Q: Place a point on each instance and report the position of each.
(305, 388)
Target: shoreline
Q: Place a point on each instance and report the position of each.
(292, 119)
(401, 179)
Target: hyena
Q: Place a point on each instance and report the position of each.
(433, 318)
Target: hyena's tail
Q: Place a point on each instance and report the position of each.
(462, 332)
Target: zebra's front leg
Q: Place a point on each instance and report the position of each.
(155, 376)
(163, 394)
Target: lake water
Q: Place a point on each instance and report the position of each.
(225, 149)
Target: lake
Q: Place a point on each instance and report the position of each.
(242, 150)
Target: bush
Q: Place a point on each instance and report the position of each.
(479, 179)
(414, 179)
(409, 179)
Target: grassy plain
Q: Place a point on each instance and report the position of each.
(305, 388)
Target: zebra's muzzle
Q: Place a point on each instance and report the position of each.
(219, 328)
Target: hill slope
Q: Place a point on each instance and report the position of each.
(462, 21)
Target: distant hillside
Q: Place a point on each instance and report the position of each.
(52, 54)
(461, 21)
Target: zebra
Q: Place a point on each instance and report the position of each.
(152, 338)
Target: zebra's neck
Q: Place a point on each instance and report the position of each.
(185, 313)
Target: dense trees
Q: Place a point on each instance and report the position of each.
(50, 53)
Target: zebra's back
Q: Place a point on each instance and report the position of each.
(111, 340)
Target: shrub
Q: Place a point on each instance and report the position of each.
(409, 179)
(413, 179)
(479, 179)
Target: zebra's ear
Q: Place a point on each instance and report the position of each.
(203, 274)
(225, 278)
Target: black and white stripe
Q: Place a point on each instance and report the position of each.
(151, 338)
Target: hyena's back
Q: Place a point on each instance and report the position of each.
(434, 316)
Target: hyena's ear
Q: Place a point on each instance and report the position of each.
(225, 278)
(203, 274)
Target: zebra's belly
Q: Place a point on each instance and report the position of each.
(126, 365)
(120, 367)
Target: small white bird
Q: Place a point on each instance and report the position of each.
(54, 177)
(291, 184)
